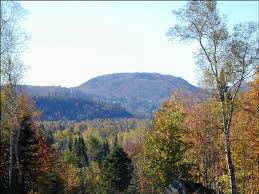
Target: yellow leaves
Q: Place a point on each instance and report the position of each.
(224, 182)
(163, 146)
(245, 140)
(93, 173)
(92, 132)
(69, 174)
(61, 135)
(205, 142)
(251, 98)
(206, 139)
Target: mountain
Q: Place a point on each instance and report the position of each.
(151, 86)
(139, 93)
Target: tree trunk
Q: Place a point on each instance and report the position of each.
(0, 125)
(227, 117)
(10, 170)
(230, 163)
(17, 156)
(11, 133)
(205, 161)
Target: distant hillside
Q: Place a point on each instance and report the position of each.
(139, 93)
(151, 86)
(55, 108)
(49, 91)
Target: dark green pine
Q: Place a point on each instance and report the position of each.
(116, 171)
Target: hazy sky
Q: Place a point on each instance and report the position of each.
(72, 42)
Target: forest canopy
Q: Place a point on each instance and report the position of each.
(204, 141)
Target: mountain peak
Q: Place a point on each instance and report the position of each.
(134, 75)
(135, 89)
(132, 83)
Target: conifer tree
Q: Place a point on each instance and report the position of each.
(80, 151)
(27, 148)
(116, 171)
(102, 152)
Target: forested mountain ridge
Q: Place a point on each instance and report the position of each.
(49, 91)
(55, 108)
(133, 91)
(135, 85)
(61, 103)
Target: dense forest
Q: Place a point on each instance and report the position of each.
(191, 144)
(55, 108)
(183, 136)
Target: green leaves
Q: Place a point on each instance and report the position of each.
(164, 148)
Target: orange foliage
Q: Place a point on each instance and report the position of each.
(246, 139)
(204, 137)
(68, 174)
(46, 156)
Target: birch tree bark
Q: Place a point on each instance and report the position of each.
(13, 41)
(225, 59)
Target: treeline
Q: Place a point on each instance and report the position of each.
(105, 126)
(55, 108)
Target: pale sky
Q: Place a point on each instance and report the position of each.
(72, 42)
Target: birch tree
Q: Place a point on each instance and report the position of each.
(13, 42)
(226, 59)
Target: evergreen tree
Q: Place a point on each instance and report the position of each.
(116, 171)
(27, 149)
(102, 152)
(69, 157)
(97, 149)
(50, 139)
(94, 146)
(70, 144)
(80, 152)
(52, 184)
(133, 185)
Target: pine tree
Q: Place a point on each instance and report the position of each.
(52, 184)
(80, 151)
(102, 153)
(27, 148)
(50, 138)
(133, 187)
(70, 144)
(116, 171)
